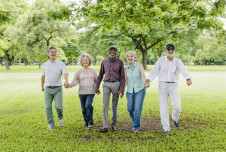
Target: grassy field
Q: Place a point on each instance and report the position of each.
(23, 120)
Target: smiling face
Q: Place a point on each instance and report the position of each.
(52, 54)
(112, 53)
(131, 58)
(85, 61)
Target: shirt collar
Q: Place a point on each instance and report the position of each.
(113, 60)
(128, 66)
(53, 62)
(169, 60)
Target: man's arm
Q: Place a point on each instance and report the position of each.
(99, 78)
(42, 82)
(183, 70)
(66, 85)
(122, 81)
(154, 72)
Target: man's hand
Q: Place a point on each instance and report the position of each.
(189, 82)
(121, 93)
(97, 91)
(42, 88)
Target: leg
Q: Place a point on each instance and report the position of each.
(163, 104)
(175, 101)
(106, 98)
(130, 104)
(58, 98)
(83, 99)
(115, 90)
(89, 108)
(139, 99)
(48, 105)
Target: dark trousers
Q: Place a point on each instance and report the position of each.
(87, 108)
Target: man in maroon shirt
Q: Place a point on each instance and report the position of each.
(114, 82)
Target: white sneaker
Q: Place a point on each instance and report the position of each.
(50, 127)
(61, 123)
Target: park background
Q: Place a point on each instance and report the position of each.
(29, 27)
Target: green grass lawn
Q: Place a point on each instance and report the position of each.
(23, 120)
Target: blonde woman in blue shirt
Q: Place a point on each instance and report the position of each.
(135, 81)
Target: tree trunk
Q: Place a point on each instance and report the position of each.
(11, 61)
(144, 59)
(39, 65)
(7, 60)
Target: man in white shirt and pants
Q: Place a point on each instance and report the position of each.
(52, 86)
(167, 68)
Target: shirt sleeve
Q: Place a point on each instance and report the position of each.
(64, 69)
(100, 76)
(154, 71)
(75, 80)
(43, 69)
(183, 70)
(122, 78)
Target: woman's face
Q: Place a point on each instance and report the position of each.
(131, 58)
(85, 61)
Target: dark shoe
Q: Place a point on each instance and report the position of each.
(113, 128)
(103, 130)
(176, 123)
(134, 130)
(165, 131)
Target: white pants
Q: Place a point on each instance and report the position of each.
(171, 90)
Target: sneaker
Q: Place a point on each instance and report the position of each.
(61, 123)
(113, 128)
(134, 130)
(165, 131)
(177, 123)
(50, 127)
(90, 126)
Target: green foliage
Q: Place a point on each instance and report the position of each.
(23, 117)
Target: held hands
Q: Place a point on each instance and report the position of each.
(66, 85)
(121, 93)
(189, 82)
(97, 91)
(147, 84)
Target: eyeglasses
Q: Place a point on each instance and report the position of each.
(172, 49)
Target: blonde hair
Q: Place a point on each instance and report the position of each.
(133, 53)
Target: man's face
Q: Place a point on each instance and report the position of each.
(112, 53)
(170, 52)
(52, 54)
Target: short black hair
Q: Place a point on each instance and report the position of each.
(51, 48)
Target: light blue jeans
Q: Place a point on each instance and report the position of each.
(135, 105)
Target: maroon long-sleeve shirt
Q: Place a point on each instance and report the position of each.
(113, 71)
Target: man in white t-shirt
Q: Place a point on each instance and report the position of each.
(52, 86)
(167, 68)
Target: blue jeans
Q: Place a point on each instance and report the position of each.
(135, 105)
(87, 108)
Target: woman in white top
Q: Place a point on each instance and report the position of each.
(86, 78)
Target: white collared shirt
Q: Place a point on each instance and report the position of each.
(53, 72)
(168, 71)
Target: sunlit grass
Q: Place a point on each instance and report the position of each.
(23, 119)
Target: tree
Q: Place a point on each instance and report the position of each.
(148, 23)
(43, 25)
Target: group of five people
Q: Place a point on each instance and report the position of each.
(115, 77)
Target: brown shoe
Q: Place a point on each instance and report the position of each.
(103, 130)
(113, 128)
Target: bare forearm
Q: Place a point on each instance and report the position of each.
(42, 81)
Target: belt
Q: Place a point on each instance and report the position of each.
(112, 81)
(53, 87)
(170, 82)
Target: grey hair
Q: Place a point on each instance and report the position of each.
(133, 53)
(85, 55)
